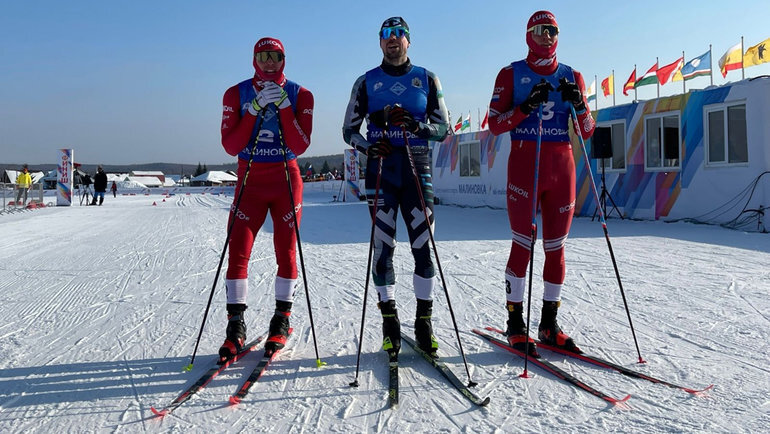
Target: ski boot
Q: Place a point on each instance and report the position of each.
(517, 331)
(549, 331)
(423, 329)
(279, 327)
(391, 328)
(236, 332)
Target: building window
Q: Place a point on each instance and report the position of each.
(662, 142)
(726, 137)
(617, 133)
(470, 159)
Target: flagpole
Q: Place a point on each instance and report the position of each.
(684, 89)
(635, 98)
(743, 74)
(596, 94)
(711, 64)
(613, 87)
(657, 63)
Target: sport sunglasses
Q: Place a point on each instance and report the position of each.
(397, 31)
(263, 56)
(540, 29)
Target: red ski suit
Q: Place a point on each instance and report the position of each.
(556, 179)
(266, 186)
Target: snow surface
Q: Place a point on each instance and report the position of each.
(100, 308)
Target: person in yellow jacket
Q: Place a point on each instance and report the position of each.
(23, 183)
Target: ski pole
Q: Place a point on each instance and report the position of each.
(227, 241)
(418, 184)
(533, 232)
(606, 232)
(318, 361)
(368, 268)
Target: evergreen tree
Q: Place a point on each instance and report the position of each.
(198, 170)
(205, 169)
(325, 168)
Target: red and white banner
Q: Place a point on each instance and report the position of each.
(64, 178)
(351, 175)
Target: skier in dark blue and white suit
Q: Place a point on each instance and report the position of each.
(392, 96)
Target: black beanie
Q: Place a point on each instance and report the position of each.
(396, 22)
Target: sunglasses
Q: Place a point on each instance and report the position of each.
(540, 29)
(397, 31)
(263, 56)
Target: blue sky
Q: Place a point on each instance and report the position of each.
(125, 82)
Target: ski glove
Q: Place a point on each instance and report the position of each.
(538, 95)
(379, 119)
(571, 92)
(258, 103)
(277, 95)
(379, 149)
(400, 117)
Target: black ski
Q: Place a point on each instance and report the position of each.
(447, 373)
(255, 375)
(205, 379)
(393, 380)
(598, 361)
(555, 370)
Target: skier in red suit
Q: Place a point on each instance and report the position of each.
(260, 115)
(521, 88)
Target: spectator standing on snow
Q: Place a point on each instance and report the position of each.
(23, 185)
(114, 189)
(100, 185)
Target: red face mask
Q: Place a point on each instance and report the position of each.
(541, 17)
(269, 44)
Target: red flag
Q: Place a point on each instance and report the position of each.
(486, 119)
(630, 82)
(608, 85)
(459, 123)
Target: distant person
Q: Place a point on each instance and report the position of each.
(114, 189)
(394, 97)
(261, 115)
(521, 88)
(23, 185)
(100, 185)
(85, 180)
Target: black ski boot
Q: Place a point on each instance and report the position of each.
(279, 327)
(517, 330)
(236, 332)
(423, 329)
(391, 328)
(549, 331)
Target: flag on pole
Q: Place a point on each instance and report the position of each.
(696, 67)
(667, 72)
(486, 119)
(630, 82)
(608, 85)
(459, 123)
(649, 77)
(731, 60)
(591, 91)
(466, 123)
(757, 54)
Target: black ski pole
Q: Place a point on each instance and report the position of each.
(533, 233)
(606, 233)
(418, 184)
(368, 268)
(318, 361)
(227, 241)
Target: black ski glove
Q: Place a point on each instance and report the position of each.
(379, 149)
(399, 117)
(379, 119)
(571, 92)
(538, 95)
